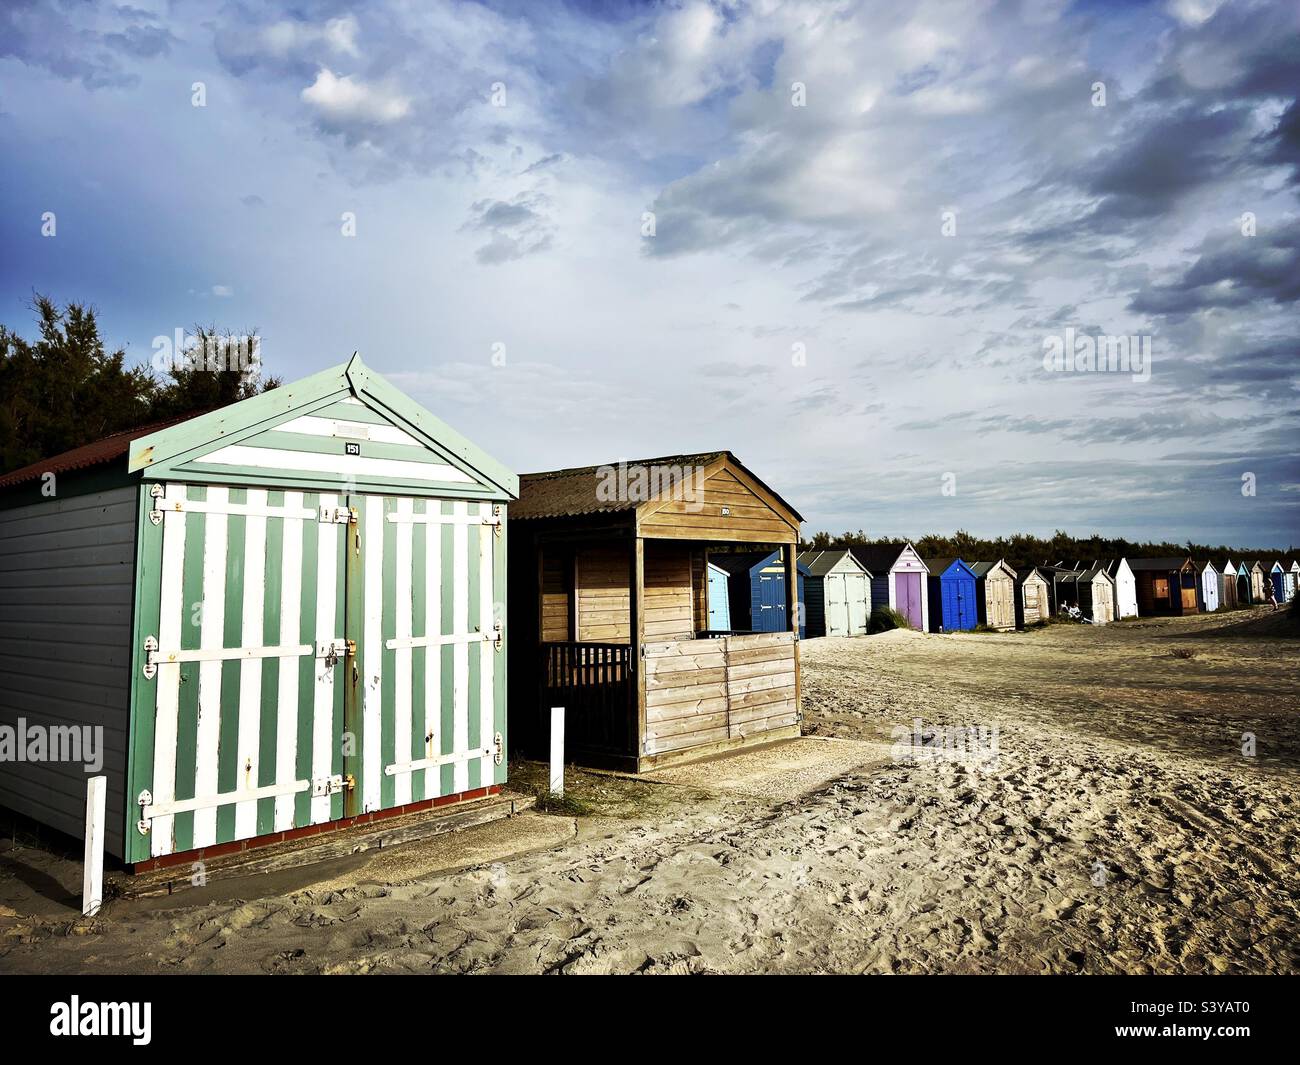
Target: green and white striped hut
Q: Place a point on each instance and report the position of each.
(283, 614)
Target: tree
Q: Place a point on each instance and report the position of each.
(65, 389)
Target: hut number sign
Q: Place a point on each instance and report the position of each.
(351, 448)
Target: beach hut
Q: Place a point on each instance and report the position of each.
(837, 594)
(1258, 573)
(995, 586)
(954, 603)
(898, 581)
(756, 589)
(1245, 592)
(281, 613)
(1277, 574)
(1033, 600)
(1293, 579)
(1062, 585)
(610, 612)
(1208, 585)
(1166, 585)
(1086, 586)
(1227, 584)
(719, 598)
(1126, 603)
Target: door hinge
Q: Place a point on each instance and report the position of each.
(337, 515)
(144, 800)
(495, 520)
(499, 743)
(150, 657)
(496, 635)
(156, 491)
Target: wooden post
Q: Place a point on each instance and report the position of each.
(636, 640)
(557, 750)
(92, 881)
(793, 608)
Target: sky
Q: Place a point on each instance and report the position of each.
(838, 239)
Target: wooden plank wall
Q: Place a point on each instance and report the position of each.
(555, 597)
(750, 519)
(603, 603)
(704, 691)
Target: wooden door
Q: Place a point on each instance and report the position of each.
(837, 604)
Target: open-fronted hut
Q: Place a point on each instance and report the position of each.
(1277, 574)
(995, 587)
(954, 604)
(1166, 585)
(1096, 594)
(756, 589)
(837, 593)
(1227, 584)
(898, 581)
(1033, 598)
(1063, 589)
(346, 549)
(609, 607)
(1208, 584)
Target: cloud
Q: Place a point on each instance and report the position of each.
(96, 48)
(347, 105)
(516, 227)
(289, 44)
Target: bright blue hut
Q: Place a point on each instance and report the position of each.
(756, 582)
(954, 604)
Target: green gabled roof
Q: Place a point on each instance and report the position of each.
(166, 452)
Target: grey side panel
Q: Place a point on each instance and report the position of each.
(67, 578)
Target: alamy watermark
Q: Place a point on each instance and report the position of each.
(22, 742)
(955, 743)
(636, 483)
(1077, 352)
(213, 354)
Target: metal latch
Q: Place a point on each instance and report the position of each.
(496, 635)
(337, 515)
(323, 786)
(499, 743)
(335, 650)
(150, 657)
(495, 520)
(145, 799)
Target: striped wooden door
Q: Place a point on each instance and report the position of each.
(425, 612)
(246, 710)
(311, 667)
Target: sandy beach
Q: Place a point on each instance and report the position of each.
(1103, 820)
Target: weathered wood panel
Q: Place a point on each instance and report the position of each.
(556, 603)
(703, 691)
(729, 506)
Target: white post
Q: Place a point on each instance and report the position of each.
(92, 883)
(557, 750)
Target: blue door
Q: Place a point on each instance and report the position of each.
(770, 615)
(719, 606)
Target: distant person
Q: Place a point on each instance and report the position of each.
(1269, 597)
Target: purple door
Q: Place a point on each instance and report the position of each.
(907, 590)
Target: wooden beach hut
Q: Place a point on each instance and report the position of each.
(954, 603)
(995, 587)
(898, 581)
(1208, 585)
(1277, 575)
(1086, 586)
(1227, 584)
(1293, 579)
(756, 590)
(346, 549)
(1166, 585)
(837, 593)
(1126, 603)
(1258, 574)
(1033, 598)
(610, 620)
(1245, 591)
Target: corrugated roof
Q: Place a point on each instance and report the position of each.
(820, 563)
(97, 453)
(576, 492)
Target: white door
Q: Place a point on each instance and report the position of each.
(837, 606)
(857, 593)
